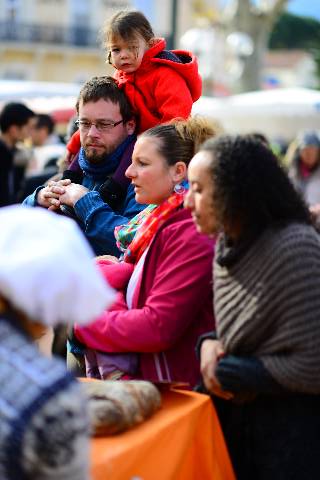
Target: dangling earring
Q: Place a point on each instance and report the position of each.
(179, 189)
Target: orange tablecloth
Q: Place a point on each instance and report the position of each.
(183, 441)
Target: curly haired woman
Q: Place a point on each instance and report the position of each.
(262, 362)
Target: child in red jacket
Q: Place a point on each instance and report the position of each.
(160, 84)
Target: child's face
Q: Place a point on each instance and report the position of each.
(127, 55)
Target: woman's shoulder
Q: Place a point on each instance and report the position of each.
(296, 233)
(294, 242)
(179, 220)
(181, 227)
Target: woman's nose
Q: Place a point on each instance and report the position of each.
(129, 172)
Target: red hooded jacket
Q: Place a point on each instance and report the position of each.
(164, 87)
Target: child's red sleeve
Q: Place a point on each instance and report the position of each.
(74, 144)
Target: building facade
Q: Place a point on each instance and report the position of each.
(58, 40)
(54, 40)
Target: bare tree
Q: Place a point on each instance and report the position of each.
(255, 19)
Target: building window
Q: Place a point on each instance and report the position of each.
(12, 8)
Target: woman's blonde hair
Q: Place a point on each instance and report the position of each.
(179, 139)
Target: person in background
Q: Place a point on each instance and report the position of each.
(160, 84)
(15, 125)
(95, 190)
(261, 363)
(44, 150)
(64, 161)
(304, 166)
(165, 297)
(45, 279)
(42, 132)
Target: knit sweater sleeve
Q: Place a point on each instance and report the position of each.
(56, 444)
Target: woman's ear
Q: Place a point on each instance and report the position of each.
(179, 172)
(131, 126)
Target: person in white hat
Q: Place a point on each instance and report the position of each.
(47, 277)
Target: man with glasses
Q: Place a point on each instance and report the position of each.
(94, 189)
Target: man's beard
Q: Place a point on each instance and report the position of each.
(93, 156)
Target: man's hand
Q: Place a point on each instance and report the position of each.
(72, 193)
(211, 352)
(48, 197)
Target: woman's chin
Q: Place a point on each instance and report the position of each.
(146, 200)
(201, 229)
(141, 199)
(197, 224)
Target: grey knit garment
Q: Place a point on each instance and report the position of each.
(267, 304)
(44, 424)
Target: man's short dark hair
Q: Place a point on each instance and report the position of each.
(105, 88)
(14, 114)
(44, 120)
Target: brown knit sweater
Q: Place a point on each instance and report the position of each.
(267, 303)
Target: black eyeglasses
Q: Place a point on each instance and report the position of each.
(101, 126)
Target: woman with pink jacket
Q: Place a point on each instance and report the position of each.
(164, 280)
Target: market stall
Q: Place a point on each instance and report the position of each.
(182, 441)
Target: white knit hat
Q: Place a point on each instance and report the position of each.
(47, 269)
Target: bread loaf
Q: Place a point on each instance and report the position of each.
(116, 406)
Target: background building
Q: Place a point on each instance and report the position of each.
(58, 40)
(53, 40)
(289, 68)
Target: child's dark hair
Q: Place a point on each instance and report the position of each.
(127, 25)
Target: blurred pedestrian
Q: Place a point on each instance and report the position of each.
(304, 166)
(15, 125)
(43, 131)
(47, 277)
